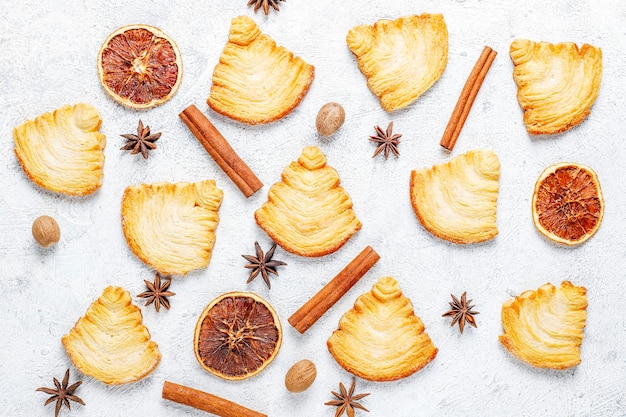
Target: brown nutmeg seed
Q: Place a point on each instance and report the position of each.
(300, 376)
(330, 118)
(46, 231)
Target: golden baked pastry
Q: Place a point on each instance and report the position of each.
(255, 80)
(63, 150)
(401, 58)
(556, 84)
(171, 227)
(308, 213)
(110, 343)
(381, 338)
(544, 328)
(457, 201)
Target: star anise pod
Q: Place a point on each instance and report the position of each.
(62, 394)
(387, 141)
(262, 264)
(142, 142)
(157, 292)
(461, 312)
(347, 401)
(265, 4)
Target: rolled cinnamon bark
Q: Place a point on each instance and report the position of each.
(221, 151)
(313, 309)
(467, 97)
(205, 401)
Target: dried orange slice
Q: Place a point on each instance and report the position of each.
(140, 66)
(567, 203)
(237, 335)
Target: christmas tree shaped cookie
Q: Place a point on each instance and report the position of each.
(110, 343)
(544, 328)
(556, 83)
(255, 80)
(401, 58)
(457, 201)
(171, 227)
(308, 213)
(381, 338)
(63, 151)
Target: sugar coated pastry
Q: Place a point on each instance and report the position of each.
(381, 338)
(110, 343)
(171, 227)
(556, 84)
(457, 201)
(544, 328)
(308, 213)
(256, 81)
(401, 58)
(62, 151)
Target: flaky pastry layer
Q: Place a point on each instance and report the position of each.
(171, 227)
(381, 338)
(62, 151)
(256, 81)
(308, 213)
(556, 83)
(457, 201)
(110, 343)
(401, 58)
(544, 328)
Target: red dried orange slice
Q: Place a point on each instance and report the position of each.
(140, 66)
(567, 203)
(237, 335)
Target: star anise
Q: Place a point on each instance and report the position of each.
(461, 312)
(142, 142)
(157, 292)
(265, 4)
(347, 401)
(387, 141)
(62, 394)
(262, 264)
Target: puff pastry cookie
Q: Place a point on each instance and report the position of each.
(308, 213)
(381, 338)
(557, 84)
(110, 343)
(62, 151)
(457, 201)
(544, 328)
(171, 227)
(401, 58)
(255, 80)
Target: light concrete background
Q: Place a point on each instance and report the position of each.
(47, 59)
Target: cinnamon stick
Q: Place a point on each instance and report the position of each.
(313, 309)
(205, 402)
(467, 97)
(221, 151)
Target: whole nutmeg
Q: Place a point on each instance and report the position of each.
(330, 118)
(300, 376)
(46, 231)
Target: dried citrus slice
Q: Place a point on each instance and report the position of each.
(567, 203)
(140, 66)
(237, 335)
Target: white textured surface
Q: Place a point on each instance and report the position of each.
(47, 58)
